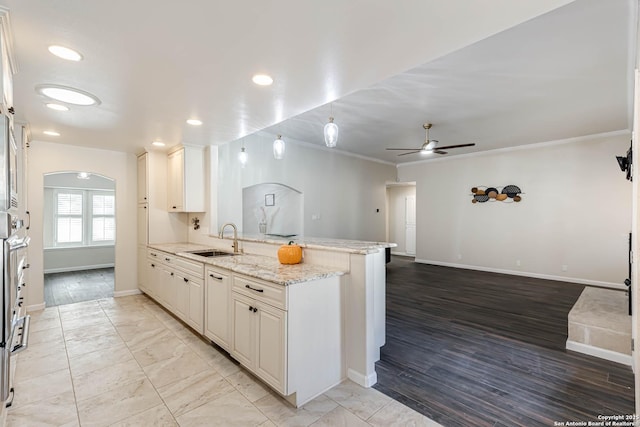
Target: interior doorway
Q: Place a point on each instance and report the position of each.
(401, 199)
(79, 237)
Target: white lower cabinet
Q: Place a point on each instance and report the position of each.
(260, 339)
(291, 337)
(218, 307)
(177, 284)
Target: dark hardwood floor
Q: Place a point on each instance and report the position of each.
(77, 286)
(469, 348)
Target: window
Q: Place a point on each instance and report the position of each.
(69, 217)
(84, 217)
(103, 225)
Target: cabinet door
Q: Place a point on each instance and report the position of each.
(153, 279)
(181, 301)
(218, 302)
(243, 327)
(165, 286)
(142, 269)
(196, 306)
(175, 190)
(143, 188)
(143, 224)
(271, 343)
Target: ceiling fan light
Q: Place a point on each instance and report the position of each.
(331, 133)
(278, 148)
(431, 145)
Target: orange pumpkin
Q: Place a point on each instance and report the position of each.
(290, 254)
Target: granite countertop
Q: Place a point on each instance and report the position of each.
(336, 245)
(258, 266)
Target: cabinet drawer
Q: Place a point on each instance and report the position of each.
(193, 268)
(268, 293)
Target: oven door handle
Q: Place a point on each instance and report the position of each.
(22, 323)
(20, 244)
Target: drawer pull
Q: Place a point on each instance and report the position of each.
(167, 259)
(185, 279)
(215, 277)
(152, 254)
(153, 265)
(253, 289)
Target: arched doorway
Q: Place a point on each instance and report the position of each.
(79, 225)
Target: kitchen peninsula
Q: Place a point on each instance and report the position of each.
(301, 328)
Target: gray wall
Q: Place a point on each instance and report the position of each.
(345, 194)
(572, 223)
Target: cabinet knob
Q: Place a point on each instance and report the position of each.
(185, 279)
(153, 265)
(250, 308)
(255, 309)
(172, 273)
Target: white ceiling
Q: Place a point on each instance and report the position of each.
(497, 72)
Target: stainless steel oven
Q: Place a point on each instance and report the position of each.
(14, 328)
(15, 322)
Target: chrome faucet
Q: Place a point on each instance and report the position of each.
(235, 236)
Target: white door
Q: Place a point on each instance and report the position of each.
(410, 224)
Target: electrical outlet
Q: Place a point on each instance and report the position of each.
(518, 263)
(565, 267)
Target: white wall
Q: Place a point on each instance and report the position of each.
(396, 195)
(45, 157)
(575, 210)
(344, 191)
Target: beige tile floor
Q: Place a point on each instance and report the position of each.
(127, 362)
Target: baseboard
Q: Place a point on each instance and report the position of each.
(36, 307)
(79, 268)
(402, 254)
(598, 283)
(602, 353)
(117, 294)
(362, 380)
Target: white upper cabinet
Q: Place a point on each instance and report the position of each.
(143, 186)
(185, 192)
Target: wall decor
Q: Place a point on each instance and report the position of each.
(507, 194)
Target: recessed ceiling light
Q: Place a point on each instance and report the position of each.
(158, 143)
(262, 79)
(65, 53)
(51, 133)
(194, 122)
(68, 95)
(57, 107)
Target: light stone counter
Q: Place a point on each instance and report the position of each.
(335, 245)
(258, 266)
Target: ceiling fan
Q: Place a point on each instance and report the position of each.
(430, 145)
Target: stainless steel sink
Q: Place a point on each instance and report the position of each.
(210, 253)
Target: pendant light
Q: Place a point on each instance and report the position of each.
(278, 148)
(242, 155)
(331, 132)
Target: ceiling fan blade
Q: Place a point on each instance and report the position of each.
(404, 149)
(439, 152)
(410, 152)
(456, 146)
